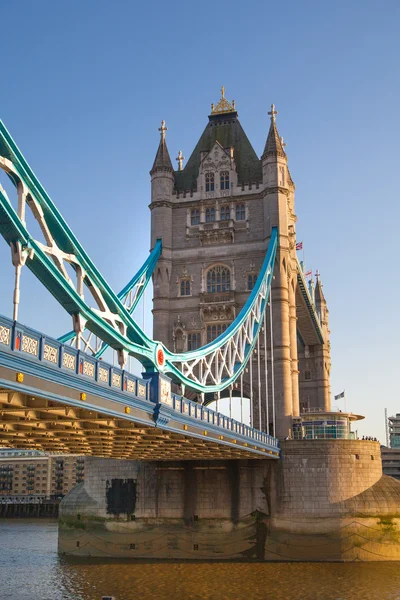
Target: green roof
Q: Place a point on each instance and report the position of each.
(227, 130)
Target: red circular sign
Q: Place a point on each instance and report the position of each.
(160, 357)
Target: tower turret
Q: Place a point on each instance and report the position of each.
(162, 183)
(279, 212)
(324, 358)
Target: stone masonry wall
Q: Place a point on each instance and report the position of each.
(191, 510)
(315, 476)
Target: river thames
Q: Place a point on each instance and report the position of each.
(30, 569)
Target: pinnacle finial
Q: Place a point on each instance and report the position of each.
(180, 158)
(223, 105)
(317, 274)
(273, 112)
(283, 143)
(163, 129)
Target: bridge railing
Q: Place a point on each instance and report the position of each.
(208, 416)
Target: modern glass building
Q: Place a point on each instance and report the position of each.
(322, 425)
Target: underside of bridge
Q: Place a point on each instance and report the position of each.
(42, 424)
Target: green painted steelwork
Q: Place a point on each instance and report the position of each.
(145, 272)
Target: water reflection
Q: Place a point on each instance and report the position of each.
(30, 569)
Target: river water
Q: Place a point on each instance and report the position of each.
(30, 569)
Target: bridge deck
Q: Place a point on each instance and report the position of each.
(55, 398)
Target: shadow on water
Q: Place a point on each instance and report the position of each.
(30, 569)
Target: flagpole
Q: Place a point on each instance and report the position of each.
(345, 403)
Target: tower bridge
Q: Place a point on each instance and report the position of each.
(235, 317)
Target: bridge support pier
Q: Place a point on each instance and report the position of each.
(325, 500)
(198, 510)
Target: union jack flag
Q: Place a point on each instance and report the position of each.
(308, 274)
(299, 246)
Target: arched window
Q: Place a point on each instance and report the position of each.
(209, 182)
(307, 375)
(185, 287)
(218, 279)
(214, 331)
(240, 212)
(210, 215)
(225, 213)
(194, 341)
(281, 175)
(224, 180)
(195, 216)
(251, 281)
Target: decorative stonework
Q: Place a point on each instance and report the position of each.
(165, 392)
(130, 386)
(88, 368)
(69, 361)
(103, 375)
(217, 233)
(116, 380)
(223, 105)
(30, 345)
(179, 335)
(5, 335)
(141, 390)
(50, 353)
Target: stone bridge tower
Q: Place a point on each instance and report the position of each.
(215, 218)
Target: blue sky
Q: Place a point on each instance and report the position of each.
(84, 86)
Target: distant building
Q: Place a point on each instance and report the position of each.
(394, 431)
(32, 473)
(391, 461)
(391, 456)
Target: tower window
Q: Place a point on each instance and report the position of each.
(195, 217)
(194, 341)
(185, 287)
(240, 212)
(225, 213)
(209, 182)
(251, 281)
(224, 180)
(210, 215)
(214, 331)
(218, 279)
(281, 175)
(307, 375)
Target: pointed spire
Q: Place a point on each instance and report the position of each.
(162, 161)
(274, 144)
(319, 294)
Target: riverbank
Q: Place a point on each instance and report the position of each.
(29, 510)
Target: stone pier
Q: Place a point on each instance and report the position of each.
(325, 500)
